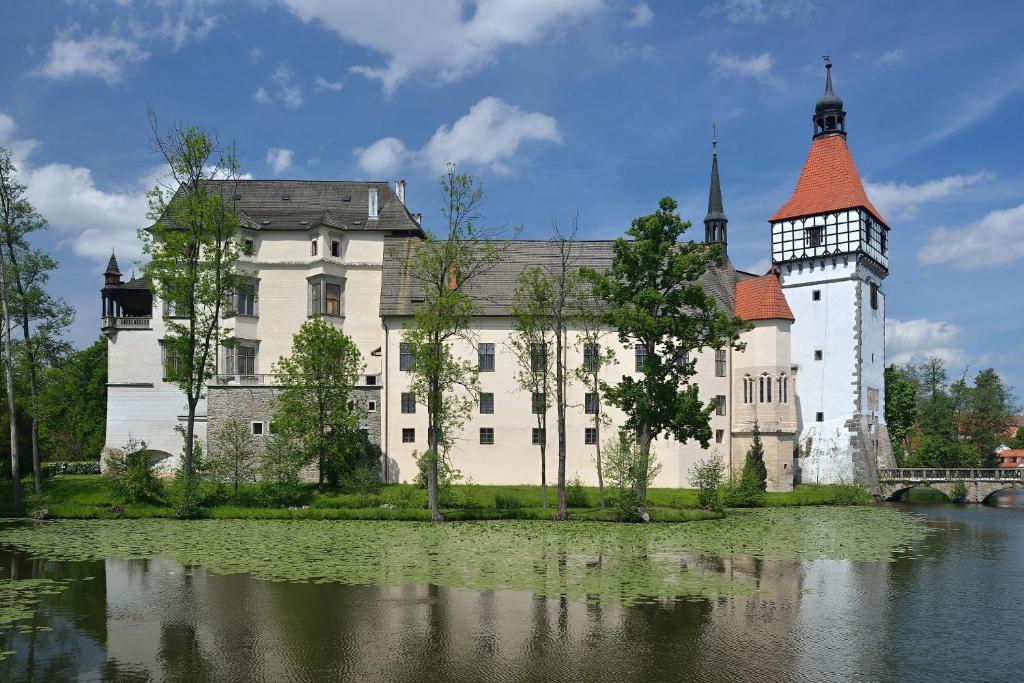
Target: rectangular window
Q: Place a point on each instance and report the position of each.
(246, 355)
(640, 355)
(818, 354)
(537, 404)
(245, 299)
(590, 436)
(590, 403)
(313, 247)
(814, 236)
(408, 402)
(873, 399)
(719, 435)
(332, 298)
(371, 406)
(487, 403)
(537, 436)
(404, 357)
(682, 361)
(819, 417)
(485, 357)
(408, 435)
(815, 295)
(248, 246)
(487, 436)
(885, 241)
(590, 351)
(719, 362)
(874, 296)
(371, 380)
(315, 298)
(538, 357)
(335, 248)
(720, 405)
(257, 429)
(171, 362)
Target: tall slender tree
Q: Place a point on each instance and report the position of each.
(443, 268)
(192, 250)
(596, 357)
(652, 296)
(11, 209)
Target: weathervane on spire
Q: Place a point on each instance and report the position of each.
(714, 137)
(828, 59)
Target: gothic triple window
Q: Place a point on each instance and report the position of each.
(764, 388)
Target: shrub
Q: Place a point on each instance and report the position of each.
(706, 476)
(279, 471)
(53, 469)
(403, 499)
(507, 502)
(575, 494)
(628, 506)
(959, 492)
(741, 494)
(184, 493)
(130, 472)
(232, 455)
(365, 479)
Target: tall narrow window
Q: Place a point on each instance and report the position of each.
(332, 298)
(768, 389)
(818, 354)
(874, 296)
(404, 357)
(537, 403)
(485, 357)
(486, 403)
(245, 299)
(760, 388)
(313, 247)
(590, 403)
(248, 246)
(536, 436)
(719, 362)
(590, 351)
(885, 241)
(720, 405)
(719, 435)
(682, 361)
(336, 248)
(315, 298)
(539, 357)
(408, 402)
(639, 356)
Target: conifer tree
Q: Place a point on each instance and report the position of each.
(755, 474)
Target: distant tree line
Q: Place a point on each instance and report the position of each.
(935, 421)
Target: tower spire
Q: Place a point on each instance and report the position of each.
(112, 275)
(829, 117)
(715, 221)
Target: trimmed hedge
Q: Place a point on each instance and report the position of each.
(52, 469)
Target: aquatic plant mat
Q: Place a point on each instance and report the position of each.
(583, 561)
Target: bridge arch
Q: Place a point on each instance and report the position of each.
(974, 485)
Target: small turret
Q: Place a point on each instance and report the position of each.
(112, 275)
(829, 117)
(715, 223)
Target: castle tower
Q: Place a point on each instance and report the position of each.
(715, 222)
(830, 245)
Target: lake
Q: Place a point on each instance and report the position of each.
(909, 592)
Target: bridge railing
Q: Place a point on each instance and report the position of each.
(950, 474)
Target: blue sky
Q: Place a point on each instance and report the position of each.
(598, 105)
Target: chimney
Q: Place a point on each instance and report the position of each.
(371, 205)
(453, 276)
(400, 190)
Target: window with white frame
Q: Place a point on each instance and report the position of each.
(404, 357)
(171, 362)
(325, 296)
(408, 402)
(639, 357)
(314, 246)
(240, 359)
(720, 405)
(719, 362)
(485, 357)
(487, 436)
(486, 403)
(590, 356)
(590, 436)
(245, 298)
(538, 357)
(590, 403)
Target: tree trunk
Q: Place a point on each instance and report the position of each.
(190, 430)
(563, 511)
(597, 433)
(16, 496)
(433, 442)
(640, 485)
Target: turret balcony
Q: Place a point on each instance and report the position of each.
(112, 323)
(242, 380)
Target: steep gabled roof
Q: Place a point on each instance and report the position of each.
(828, 182)
(761, 298)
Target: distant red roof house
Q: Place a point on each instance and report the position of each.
(828, 182)
(1013, 457)
(761, 298)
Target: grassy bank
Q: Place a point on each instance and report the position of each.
(93, 497)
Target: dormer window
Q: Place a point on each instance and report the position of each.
(313, 247)
(336, 248)
(248, 246)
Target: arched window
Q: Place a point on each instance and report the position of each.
(783, 391)
(760, 386)
(746, 389)
(768, 388)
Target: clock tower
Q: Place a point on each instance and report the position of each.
(830, 246)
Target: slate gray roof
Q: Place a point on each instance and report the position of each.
(493, 291)
(340, 204)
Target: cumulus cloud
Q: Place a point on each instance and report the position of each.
(322, 83)
(641, 16)
(902, 200)
(489, 135)
(442, 39)
(287, 92)
(997, 239)
(912, 341)
(97, 56)
(279, 160)
(758, 67)
(262, 96)
(760, 11)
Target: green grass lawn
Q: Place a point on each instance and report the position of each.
(92, 496)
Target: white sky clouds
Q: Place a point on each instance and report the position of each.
(760, 11)
(322, 83)
(442, 39)
(490, 135)
(758, 67)
(279, 160)
(913, 341)
(997, 239)
(902, 200)
(96, 56)
(641, 16)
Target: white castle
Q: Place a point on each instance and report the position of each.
(810, 376)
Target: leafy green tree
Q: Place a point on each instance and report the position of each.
(652, 296)
(707, 476)
(12, 209)
(73, 398)
(278, 469)
(900, 408)
(596, 357)
(192, 252)
(937, 441)
(232, 458)
(442, 268)
(130, 472)
(986, 415)
(315, 407)
(628, 470)
(1017, 440)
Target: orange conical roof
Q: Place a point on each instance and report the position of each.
(828, 182)
(761, 298)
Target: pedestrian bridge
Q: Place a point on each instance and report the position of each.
(980, 483)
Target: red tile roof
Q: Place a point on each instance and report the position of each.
(1013, 457)
(828, 182)
(761, 298)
